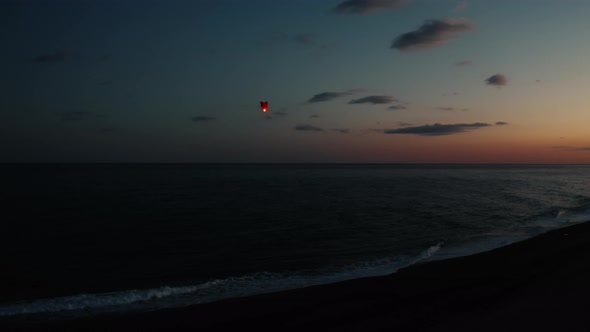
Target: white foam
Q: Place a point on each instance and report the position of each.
(493, 240)
(265, 282)
(485, 242)
(569, 217)
(166, 297)
(87, 301)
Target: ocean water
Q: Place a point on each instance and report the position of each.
(88, 239)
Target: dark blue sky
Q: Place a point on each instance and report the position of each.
(346, 81)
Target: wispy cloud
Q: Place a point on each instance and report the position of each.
(497, 80)
(54, 57)
(314, 116)
(571, 148)
(374, 100)
(327, 96)
(397, 107)
(341, 130)
(367, 6)
(202, 118)
(501, 123)
(438, 129)
(307, 127)
(306, 39)
(463, 63)
(431, 34)
(446, 108)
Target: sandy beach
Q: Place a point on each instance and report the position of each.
(540, 284)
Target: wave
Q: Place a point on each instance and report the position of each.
(496, 239)
(268, 282)
(167, 297)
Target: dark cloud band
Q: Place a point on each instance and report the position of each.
(438, 129)
(366, 6)
(341, 130)
(374, 100)
(307, 127)
(571, 148)
(202, 118)
(397, 107)
(326, 96)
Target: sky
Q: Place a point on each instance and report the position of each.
(347, 81)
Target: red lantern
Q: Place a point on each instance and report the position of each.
(264, 106)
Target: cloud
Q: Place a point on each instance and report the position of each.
(374, 100)
(437, 129)
(445, 108)
(307, 127)
(314, 116)
(571, 148)
(397, 107)
(305, 39)
(404, 124)
(498, 80)
(366, 6)
(50, 58)
(326, 96)
(463, 63)
(431, 34)
(501, 123)
(202, 118)
(341, 130)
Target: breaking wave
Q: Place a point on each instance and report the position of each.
(168, 297)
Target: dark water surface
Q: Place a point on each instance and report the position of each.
(160, 235)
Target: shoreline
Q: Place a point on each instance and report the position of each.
(540, 282)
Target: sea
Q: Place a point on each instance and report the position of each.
(82, 240)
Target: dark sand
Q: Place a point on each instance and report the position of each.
(538, 284)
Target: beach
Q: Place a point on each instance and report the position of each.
(540, 283)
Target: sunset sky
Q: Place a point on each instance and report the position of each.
(356, 81)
